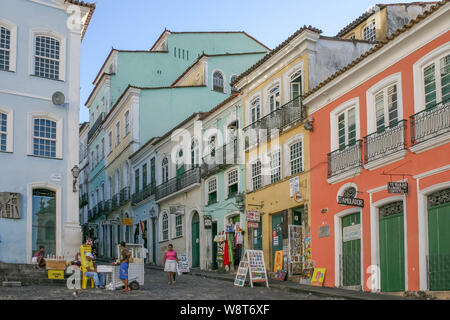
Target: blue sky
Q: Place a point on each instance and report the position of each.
(136, 24)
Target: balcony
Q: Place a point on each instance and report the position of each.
(222, 158)
(107, 206)
(124, 195)
(174, 185)
(279, 120)
(115, 201)
(100, 208)
(384, 147)
(96, 125)
(142, 195)
(344, 163)
(430, 128)
(83, 200)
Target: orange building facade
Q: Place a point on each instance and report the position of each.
(385, 119)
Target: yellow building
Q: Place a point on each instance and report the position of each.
(277, 140)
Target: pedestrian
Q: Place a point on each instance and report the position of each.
(123, 271)
(170, 263)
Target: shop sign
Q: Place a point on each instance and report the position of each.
(253, 216)
(324, 231)
(127, 221)
(207, 220)
(253, 225)
(294, 186)
(275, 241)
(398, 187)
(351, 233)
(354, 202)
(229, 228)
(298, 197)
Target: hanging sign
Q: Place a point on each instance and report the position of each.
(351, 233)
(294, 186)
(253, 216)
(207, 220)
(255, 267)
(298, 197)
(354, 202)
(253, 225)
(324, 231)
(398, 187)
(127, 221)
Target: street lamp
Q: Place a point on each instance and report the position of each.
(75, 173)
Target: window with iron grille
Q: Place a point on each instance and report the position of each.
(3, 131)
(178, 225)
(370, 32)
(5, 48)
(46, 58)
(165, 227)
(256, 175)
(275, 167)
(212, 191)
(233, 182)
(296, 157)
(218, 81)
(437, 82)
(44, 138)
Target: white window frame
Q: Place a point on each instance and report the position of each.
(59, 132)
(177, 226)
(208, 191)
(334, 138)
(366, 27)
(394, 79)
(267, 95)
(227, 180)
(253, 106)
(12, 44)
(164, 170)
(62, 51)
(224, 80)
(164, 214)
(9, 127)
(280, 166)
(287, 80)
(287, 153)
(252, 176)
(418, 68)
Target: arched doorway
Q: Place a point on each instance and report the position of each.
(44, 220)
(195, 241)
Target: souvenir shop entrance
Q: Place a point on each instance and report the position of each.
(229, 244)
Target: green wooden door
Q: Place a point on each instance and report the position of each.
(297, 216)
(277, 235)
(439, 240)
(351, 253)
(257, 237)
(392, 248)
(195, 242)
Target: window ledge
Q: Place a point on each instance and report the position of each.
(10, 152)
(431, 143)
(175, 238)
(345, 175)
(11, 71)
(384, 161)
(40, 77)
(34, 156)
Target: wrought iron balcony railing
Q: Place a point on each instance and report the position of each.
(222, 157)
(115, 201)
(344, 160)
(96, 125)
(124, 195)
(430, 123)
(386, 142)
(173, 185)
(100, 208)
(145, 193)
(107, 206)
(280, 119)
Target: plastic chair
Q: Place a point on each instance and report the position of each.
(84, 263)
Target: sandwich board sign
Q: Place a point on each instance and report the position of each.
(253, 264)
(184, 264)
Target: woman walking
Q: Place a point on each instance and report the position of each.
(170, 263)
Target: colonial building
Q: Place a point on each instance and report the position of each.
(276, 140)
(39, 112)
(380, 208)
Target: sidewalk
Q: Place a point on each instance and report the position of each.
(299, 288)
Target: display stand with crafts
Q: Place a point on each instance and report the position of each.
(252, 263)
(55, 266)
(295, 250)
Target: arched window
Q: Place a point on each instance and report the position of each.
(218, 81)
(256, 110)
(274, 98)
(165, 227)
(47, 57)
(44, 138)
(195, 153)
(165, 169)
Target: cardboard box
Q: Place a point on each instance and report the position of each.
(55, 265)
(55, 274)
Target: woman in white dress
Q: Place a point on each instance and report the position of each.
(170, 263)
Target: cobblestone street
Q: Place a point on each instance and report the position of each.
(187, 287)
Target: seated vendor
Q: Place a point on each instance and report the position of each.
(99, 278)
(38, 258)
